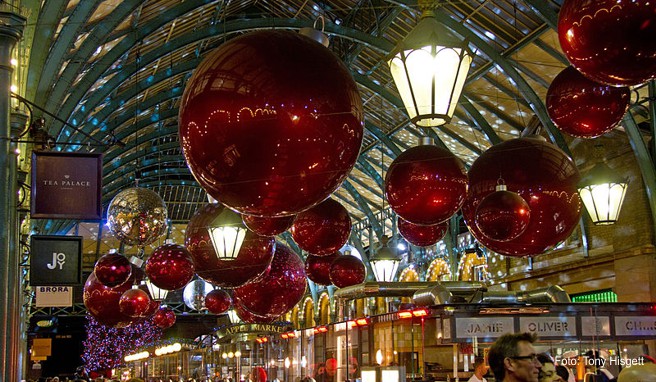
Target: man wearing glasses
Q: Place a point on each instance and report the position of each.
(512, 358)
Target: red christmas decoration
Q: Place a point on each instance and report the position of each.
(152, 308)
(287, 142)
(134, 303)
(170, 267)
(218, 301)
(544, 176)
(317, 268)
(347, 270)
(252, 318)
(585, 108)
(254, 256)
(502, 215)
(101, 302)
(113, 269)
(164, 318)
(426, 184)
(280, 290)
(323, 229)
(259, 374)
(268, 226)
(422, 235)
(610, 41)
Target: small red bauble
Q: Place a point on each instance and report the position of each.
(254, 256)
(134, 303)
(544, 176)
(268, 226)
(610, 41)
(323, 229)
(280, 290)
(101, 302)
(152, 308)
(259, 374)
(422, 235)
(585, 108)
(113, 269)
(170, 267)
(317, 268)
(252, 318)
(273, 135)
(218, 301)
(426, 184)
(164, 318)
(502, 215)
(347, 270)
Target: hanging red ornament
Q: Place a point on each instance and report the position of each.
(317, 268)
(422, 235)
(426, 184)
(323, 229)
(273, 135)
(502, 215)
(152, 308)
(347, 270)
(170, 267)
(268, 226)
(164, 318)
(101, 302)
(544, 176)
(254, 256)
(259, 374)
(113, 269)
(585, 108)
(610, 41)
(218, 301)
(134, 303)
(251, 318)
(280, 290)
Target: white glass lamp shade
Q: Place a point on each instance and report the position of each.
(227, 233)
(157, 294)
(385, 263)
(602, 192)
(234, 318)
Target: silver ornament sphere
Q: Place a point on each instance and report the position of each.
(137, 216)
(194, 294)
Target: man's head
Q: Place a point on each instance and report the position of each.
(512, 358)
(548, 370)
(480, 368)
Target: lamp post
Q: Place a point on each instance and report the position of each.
(385, 263)
(227, 232)
(602, 191)
(429, 68)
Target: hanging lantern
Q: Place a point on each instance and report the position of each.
(429, 68)
(156, 293)
(602, 191)
(385, 262)
(227, 232)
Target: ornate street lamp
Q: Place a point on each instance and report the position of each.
(157, 294)
(227, 232)
(429, 68)
(385, 263)
(602, 191)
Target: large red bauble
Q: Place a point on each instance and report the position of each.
(323, 229)
(170, 267)
(280, 290)
(268, 226)
(502, 215)
(317, 268)
(134, 303)
(113, 269)
(347, 270)
(585, 108)
(610, 41)
(254, 256)
(218, 301)
(164, 318)
(101, 302)
(422, 235)
(252, 318)
(273, 135)
(544, 176)
(426, 184)
(259, 374)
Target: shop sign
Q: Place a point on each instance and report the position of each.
(42, 347)
(483, 327)
(55, 260)
(53, 296)
(549, 326)
(635, 326)
(595, 326)
(251, 328)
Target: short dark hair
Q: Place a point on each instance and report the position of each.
(562, 372)
(478, 362)
(506, 346)
(544, 358)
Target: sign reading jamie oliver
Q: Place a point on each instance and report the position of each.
(66, 185)
(635, 326)
(55, 260)
(484, 327)
(549, 326)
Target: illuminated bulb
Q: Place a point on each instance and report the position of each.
(13, 88)
(379, 357)
(288, 362)
(13, 62)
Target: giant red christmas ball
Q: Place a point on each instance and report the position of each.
(164, 318)
(585, 108)
(134, 303)
(502, 215)
(317, 268)
(422, 235)
(610, 41)
(273, 134)
(280, 290)
(113, 269)
(426, 184)
(170, 267)
(268, 226)
(323, 229)
(347, 270)
(218, 301)
(101, 302)
(544, 176)
(252, 318)
(254, 256)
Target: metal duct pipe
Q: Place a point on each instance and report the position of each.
(435, 295)
(404, 289)
(550, 294)
(494, 297)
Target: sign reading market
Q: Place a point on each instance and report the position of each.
(252, 328)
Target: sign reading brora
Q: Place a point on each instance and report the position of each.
(54, 296)
(66, 185)
(55, 260)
